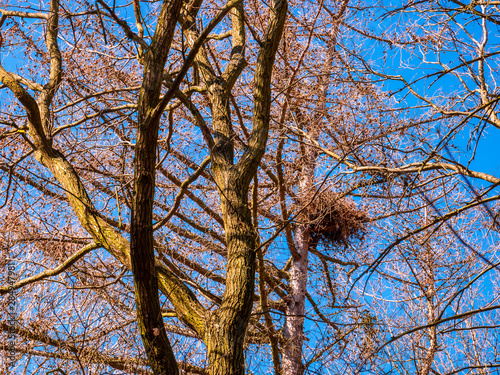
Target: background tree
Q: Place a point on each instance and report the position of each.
(369, 233)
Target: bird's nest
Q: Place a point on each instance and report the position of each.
(333, 220)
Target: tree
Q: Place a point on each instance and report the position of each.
(319, 178)
(223, 329)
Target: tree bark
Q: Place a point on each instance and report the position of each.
(224, 329)
(142, 253)
(293, 332)
(188, 308)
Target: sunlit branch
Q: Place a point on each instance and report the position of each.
(52, 272)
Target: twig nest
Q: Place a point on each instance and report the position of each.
(334, 220)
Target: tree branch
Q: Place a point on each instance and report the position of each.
(54, 271)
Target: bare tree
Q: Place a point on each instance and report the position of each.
(295, 202)
(223, 329)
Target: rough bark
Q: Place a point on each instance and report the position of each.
(223, 330)
(142, 253)
(226, 327)
(188, 308)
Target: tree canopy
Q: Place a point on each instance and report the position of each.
(233, 187)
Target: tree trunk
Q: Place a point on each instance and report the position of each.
(142, 257)
(226, 327)
(295, 308)
(225, 345)
(294, 323)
